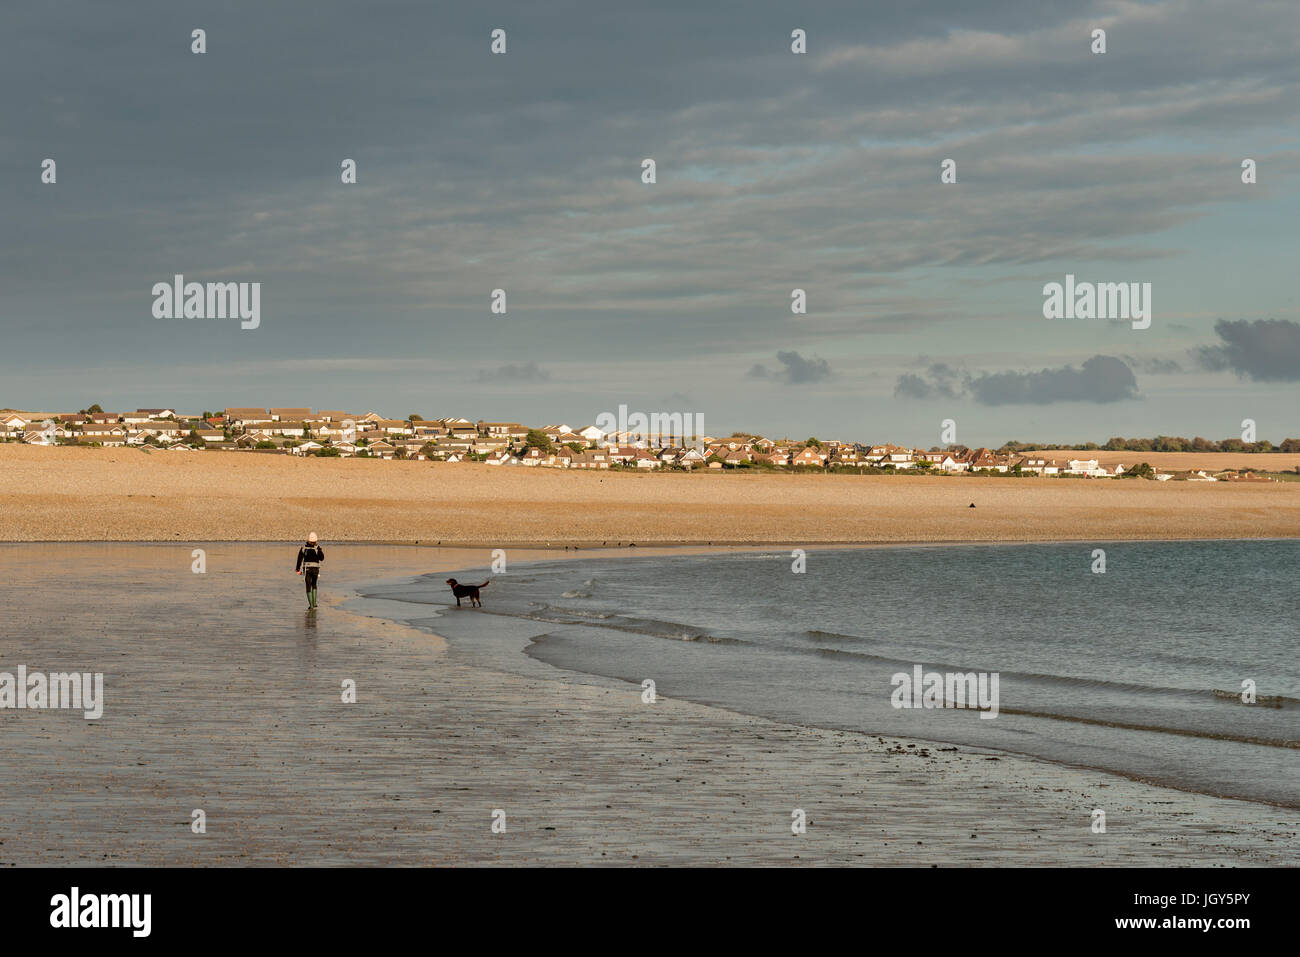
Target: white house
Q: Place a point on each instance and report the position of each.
(944, 461)
(1087, 467)
(690, 458)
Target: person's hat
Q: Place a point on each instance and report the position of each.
(311, 538)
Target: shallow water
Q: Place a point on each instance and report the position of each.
(221, 693)
(1137, 670)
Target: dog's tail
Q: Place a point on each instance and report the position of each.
(485, 584)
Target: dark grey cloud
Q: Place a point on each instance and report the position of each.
(1266, 350)
(522, 171)
(939, 381)
(1101, 379)
(527, 372)
(1155, 365)
(795, 369)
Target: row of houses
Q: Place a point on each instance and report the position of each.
(300, 431)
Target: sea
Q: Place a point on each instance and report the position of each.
(1173, 663)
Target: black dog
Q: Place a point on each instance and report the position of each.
(466, 591)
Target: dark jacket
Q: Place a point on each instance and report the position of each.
(309, 555)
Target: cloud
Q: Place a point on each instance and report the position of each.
(821, 170)
(529, 372)
(939, 381)
(796, 370)
(1266, 350)
(1154, 365)
(1100, 379)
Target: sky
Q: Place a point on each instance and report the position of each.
(775, 171)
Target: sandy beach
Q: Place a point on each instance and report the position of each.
(585, 772)
(253, 732)
(71, 494)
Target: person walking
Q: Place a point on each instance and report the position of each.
(310, 557)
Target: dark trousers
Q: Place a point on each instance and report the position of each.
(309, 576)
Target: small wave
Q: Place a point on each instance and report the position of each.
(710, 639)
(653, 628)
(576, 594)
(1264, 741)
(1067, 681)
(1279, 701)
(577, 612)
(818, 635)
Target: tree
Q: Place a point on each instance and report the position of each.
(1144, 470)
(415, 418)
(94, 408)
(537, 439)
(814, 442)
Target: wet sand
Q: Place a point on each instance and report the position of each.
(73, 494)
(223, 694)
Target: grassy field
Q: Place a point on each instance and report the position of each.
(1181, 461)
